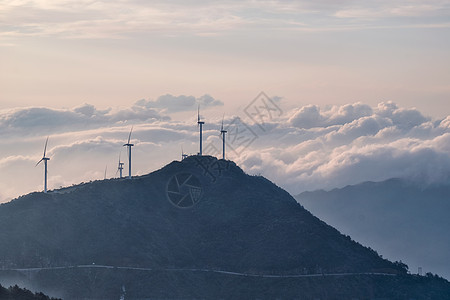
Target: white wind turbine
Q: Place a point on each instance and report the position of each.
(222, 133)
(129, 153)
(183, 155)
(200, 123)
(120, 168)
(45, 159)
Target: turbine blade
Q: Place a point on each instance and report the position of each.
(223, 117)
(45, 147)
(39, 162)
(198, 113)
(129, 136)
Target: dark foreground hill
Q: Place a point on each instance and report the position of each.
(195, 229)
(401, 219)
(17, 293)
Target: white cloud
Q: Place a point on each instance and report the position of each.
(117, 19)
(308, 148)
(32, 120)
(445, 124)
(169, 103)
(337, 146)
(387, 9)
(402, 118)
(311, 116)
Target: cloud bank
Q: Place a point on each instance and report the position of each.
(342, 145)
(308, 148)
(32, 120)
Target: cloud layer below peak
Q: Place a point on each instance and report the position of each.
(349, 144)
(308, 148)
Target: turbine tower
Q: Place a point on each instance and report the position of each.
(200, 123)
(120, 168)
(222, 133)
(45, 159)
(129, 153)
(183, 155)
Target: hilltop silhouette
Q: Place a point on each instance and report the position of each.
(199, 228)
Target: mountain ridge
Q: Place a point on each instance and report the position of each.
(396, 216)
(200, 213)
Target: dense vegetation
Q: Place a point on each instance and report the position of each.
(17, 293)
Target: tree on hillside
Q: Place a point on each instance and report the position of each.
(17, 293)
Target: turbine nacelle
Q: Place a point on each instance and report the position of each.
(45, 150)
(200, 124)
(222, 131)
(119, 167)
(198, 114)
(222, 134)
(129, 145)
(45, 159)
(183, 155)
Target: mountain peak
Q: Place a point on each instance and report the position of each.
(202, 204)
(211, 167)
(201, 213)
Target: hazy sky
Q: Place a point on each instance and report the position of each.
(331, 67)
(67, 52)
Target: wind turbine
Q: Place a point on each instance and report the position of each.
(129, 153)
(183, 155)
(222, 133)
(120, 167)
(45, 159)
(200, 123)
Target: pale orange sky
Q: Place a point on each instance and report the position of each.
(64, 53)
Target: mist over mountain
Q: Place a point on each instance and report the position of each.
(200, 228)
(401, 219)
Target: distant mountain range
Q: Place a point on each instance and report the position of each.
(401, 219)
(199, 228)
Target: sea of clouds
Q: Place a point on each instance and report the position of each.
(306, 148)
